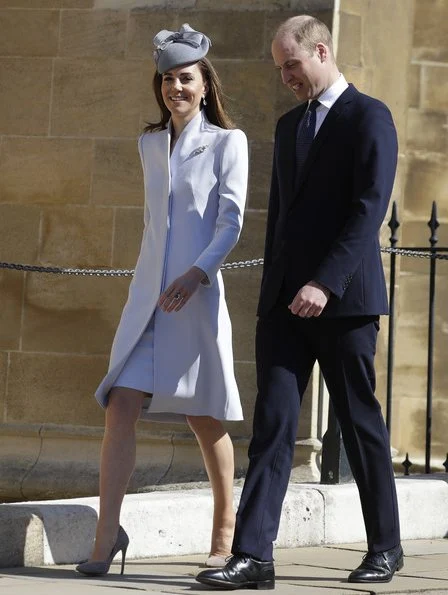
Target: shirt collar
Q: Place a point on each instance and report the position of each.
(329, 97)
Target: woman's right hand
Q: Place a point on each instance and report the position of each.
(181, 289)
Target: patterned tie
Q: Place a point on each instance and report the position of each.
(305, 136)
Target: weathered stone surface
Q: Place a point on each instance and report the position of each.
(102, 90)
(94, 97)
(411, 365)
(19, 233)
(417, 233)
(30, 3)
(414, 74)
(355, 75)
(78, 3)
(430, 31)
(435, 89)
(99, 33)
(142, 28)
(307, 427)
(54, 388)
(397, 196)
(273, 20)
(25, 96)
(23, 540)
(20, 445)
(3, 373)
(251, 242)
(77, 236)
(260, 174)
(242, 290)
(29, 32)
(117, 173)
(250, 87)
(158, 458)
(231, 4)
(389, 59)
(353, 6)
(305, 6)
(50, 477)
(427, 181)
(423, 132)
(127, 237)
(349, 44)
(150, 112)
(410, 430)
(45, 170)
(11, 296)
(234, 35)
(67, 314)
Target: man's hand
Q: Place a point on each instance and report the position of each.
(310, 300)
(181, 289)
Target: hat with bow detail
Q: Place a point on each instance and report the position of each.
(174, 48)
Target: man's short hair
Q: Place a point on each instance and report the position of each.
(307, 31)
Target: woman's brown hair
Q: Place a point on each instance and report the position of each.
(214, 110)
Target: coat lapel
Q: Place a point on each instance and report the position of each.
(190, 142)
(166, 146)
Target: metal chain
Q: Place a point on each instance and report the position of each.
(416, 253)
(108, 272)
(226, 266)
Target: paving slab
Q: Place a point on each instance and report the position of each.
(301, 571)
(178, 522)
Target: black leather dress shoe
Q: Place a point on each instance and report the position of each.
(240, 572)
(379, 567)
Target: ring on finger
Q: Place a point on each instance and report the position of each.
(178, 296)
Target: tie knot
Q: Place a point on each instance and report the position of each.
(314, 105)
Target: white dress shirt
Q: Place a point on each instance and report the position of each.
(327, 100)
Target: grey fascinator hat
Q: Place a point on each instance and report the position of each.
(174, 48)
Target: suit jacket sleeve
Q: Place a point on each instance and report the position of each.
(232, 189)
(375, 161)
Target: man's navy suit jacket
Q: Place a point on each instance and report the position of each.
(325, 225)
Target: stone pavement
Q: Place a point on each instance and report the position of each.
(178, 522)
(300, 571)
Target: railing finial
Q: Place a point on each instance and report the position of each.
(393, 224)
(433, 224)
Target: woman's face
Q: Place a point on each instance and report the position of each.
(182, 90)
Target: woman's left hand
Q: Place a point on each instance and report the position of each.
(181, 289)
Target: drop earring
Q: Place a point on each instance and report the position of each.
(204, 101)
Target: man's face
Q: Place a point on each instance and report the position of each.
(303, 72)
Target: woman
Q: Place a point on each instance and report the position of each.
(172, 355)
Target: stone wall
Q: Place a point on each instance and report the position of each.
(74, 93)
(426, 181)
(75, 79)
(398, 51)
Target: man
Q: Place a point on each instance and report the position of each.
(322, 292)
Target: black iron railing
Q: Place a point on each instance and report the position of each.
(334, 463)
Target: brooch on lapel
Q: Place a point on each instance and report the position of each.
(199, 150)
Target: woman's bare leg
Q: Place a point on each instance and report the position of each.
(117, 464)
(217, 452)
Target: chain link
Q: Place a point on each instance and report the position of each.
(108, 272)
(226, 266)
(415, 253)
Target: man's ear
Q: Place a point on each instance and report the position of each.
(322, 51)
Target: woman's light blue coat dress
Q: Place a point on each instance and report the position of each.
(205, 180)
